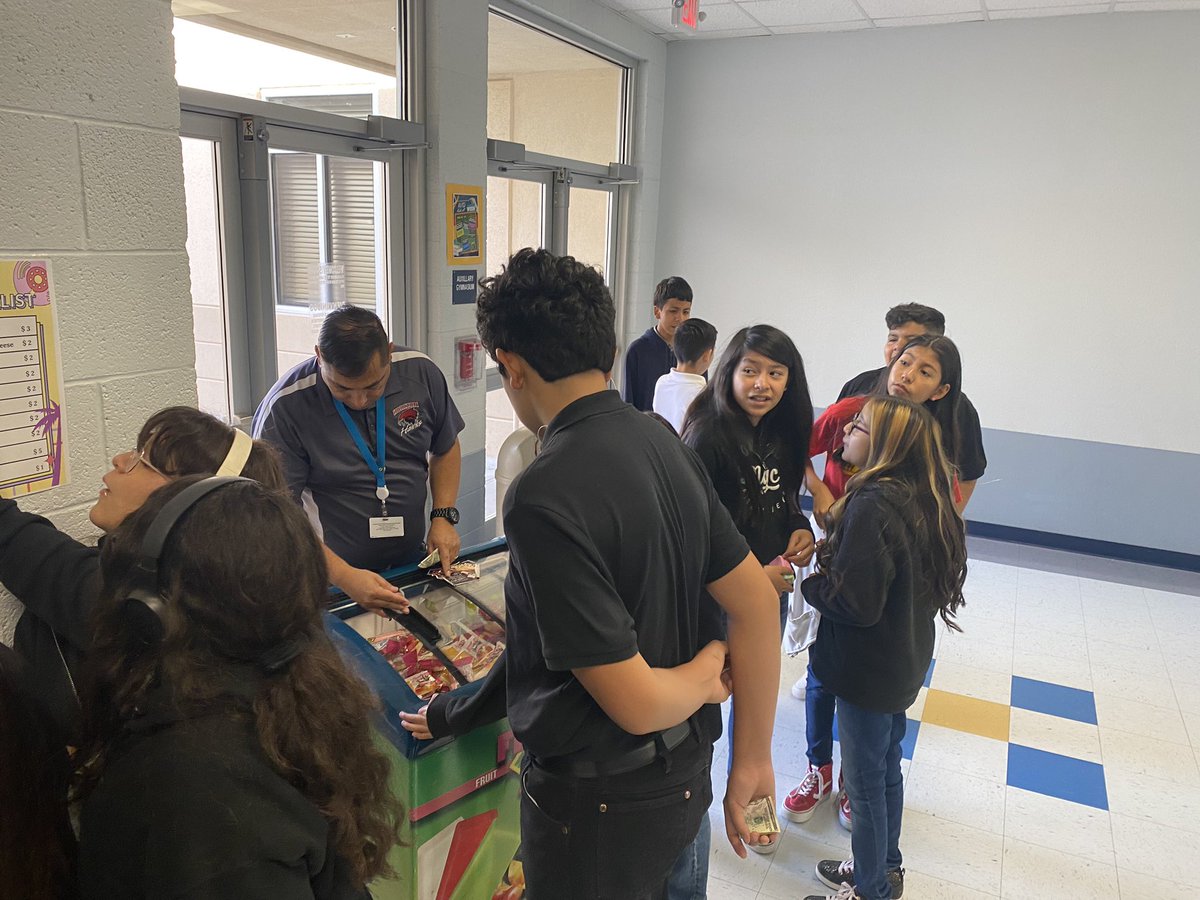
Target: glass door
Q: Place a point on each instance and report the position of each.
(517, 218)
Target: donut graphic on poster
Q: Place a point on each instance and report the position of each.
(30, 277)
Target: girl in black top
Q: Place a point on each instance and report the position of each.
(895, 559)
(751, 426)
(228, 752)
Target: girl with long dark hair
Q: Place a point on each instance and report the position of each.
(229, 752)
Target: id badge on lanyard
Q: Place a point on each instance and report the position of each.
(383, 525)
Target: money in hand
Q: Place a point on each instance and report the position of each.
(760, 816)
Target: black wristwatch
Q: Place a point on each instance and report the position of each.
(449, 513)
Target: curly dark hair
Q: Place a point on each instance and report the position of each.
(552, 311)
(241, 574)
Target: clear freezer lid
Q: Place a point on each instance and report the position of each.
(420, 668)
(488, 589)
(469, 638)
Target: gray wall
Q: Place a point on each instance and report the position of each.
(1036, 180)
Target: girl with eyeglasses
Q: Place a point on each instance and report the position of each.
(894, 561)
(57, 578)
(927, 372)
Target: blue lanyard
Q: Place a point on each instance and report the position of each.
(374, 463)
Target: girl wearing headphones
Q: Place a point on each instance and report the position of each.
(227, 748)
(57, 578)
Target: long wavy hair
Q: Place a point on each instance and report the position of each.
(715, 416)
(242, 573)
(944, 409)
(906, 461)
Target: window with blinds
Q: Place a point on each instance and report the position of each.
(327, 210)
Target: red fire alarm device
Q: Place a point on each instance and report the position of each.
(686, 13)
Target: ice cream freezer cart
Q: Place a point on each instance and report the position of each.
(460, 795)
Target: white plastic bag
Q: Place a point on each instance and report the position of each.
(803, 620)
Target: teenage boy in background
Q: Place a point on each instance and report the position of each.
(904, 322)
(695, 341)
(650, 357)
(614, 534)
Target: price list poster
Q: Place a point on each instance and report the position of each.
(33, 454)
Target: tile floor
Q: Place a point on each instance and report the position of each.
(1056, 747)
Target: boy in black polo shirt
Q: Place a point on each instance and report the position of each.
(614, 534)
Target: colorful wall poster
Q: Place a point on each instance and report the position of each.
(464, 225)
(33, 453)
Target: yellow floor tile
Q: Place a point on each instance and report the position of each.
(981, 717)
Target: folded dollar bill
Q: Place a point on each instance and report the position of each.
(760, 816)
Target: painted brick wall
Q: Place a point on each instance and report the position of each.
(93, 181)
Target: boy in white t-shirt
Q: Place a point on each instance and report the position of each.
(674, 392)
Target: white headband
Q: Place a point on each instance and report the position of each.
(235, 459)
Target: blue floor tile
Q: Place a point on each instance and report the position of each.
(1054, 699)
(910, 739)
(929, 672)
(1064, 777)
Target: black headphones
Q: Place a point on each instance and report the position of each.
(144, 602)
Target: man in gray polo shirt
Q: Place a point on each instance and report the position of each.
(361, 426)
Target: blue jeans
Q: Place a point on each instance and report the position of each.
(871, 764)
(818, 713)
(689, 879)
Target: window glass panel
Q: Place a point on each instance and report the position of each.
(552, 96)
(354, 235)
(296, 199)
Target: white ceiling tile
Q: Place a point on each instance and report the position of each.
(801, 12)
(1037, 4)
(895, 9)
(1148, 5)
(828, 26)
(1044, 11)
(946, 19)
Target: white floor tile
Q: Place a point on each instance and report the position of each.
(1137, 686)
(1192, 721)
(1135, 886)
(971, 651)
(1068, 641)
(918, 884)
(1070, 671)
(1148, 848)
(972, 681)
(791, 873)
(1133, 656)
(1120, 631)
(1059, 825)
(1141, 718)
(963, 752)
(951, 795)
(1054, 734)
(1034, 871)
(952, 852)
(1127, 596)
(1187, 695)
(724, 890)
(1137, 754)
(918, 707)
(1167, 803)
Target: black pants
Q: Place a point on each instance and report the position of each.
(612, 838)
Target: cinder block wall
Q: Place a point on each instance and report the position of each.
(93, 181)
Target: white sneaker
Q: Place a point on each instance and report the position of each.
(800, 688)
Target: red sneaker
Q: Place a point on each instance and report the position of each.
(801, 803)
(844, 811)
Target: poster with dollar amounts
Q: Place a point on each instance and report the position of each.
(33, 452)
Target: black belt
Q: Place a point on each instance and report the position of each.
(635, 759)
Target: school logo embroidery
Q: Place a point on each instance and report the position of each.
(408, 417)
